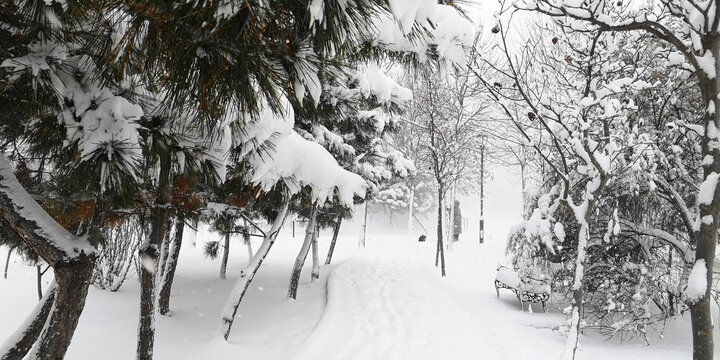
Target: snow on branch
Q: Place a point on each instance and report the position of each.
(20, 212)
(276, 152)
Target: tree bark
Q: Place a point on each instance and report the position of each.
(440, 248)
(302, 255)
(7, 260)
(38, 276)
(72, 278)
(149, 256)
(315, 274)
(364, 228)
(20, 343)
(331, 250)
(700, 311)
(707, 235)
(71, 257)
(248, 273)
(169, 276)
(246, 240)
(571, 343)
(226, 254)
(411, 206)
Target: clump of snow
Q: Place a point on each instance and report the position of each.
(450, 33)
(372, 81)
(697, 282)
(277, 153)
(707, 189)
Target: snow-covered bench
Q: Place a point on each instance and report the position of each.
(526, 289)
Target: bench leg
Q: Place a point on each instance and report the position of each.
(543, 304)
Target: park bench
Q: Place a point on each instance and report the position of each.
(526, 289)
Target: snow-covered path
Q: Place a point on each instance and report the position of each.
(389, 305)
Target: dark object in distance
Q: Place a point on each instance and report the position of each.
(422, 238)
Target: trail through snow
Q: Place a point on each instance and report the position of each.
(389, 305)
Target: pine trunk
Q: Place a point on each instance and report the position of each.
(149, 256)
(246, 240)
(72, 278)
(361, 244)
(315, 274)
(302, 255)
(248, 273)
(331, 250)
(38, 277)
(7, 260)
(226, 254)
(20, 343)
(169, 276)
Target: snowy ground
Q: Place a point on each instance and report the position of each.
(385, 302)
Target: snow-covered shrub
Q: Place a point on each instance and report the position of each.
(529, 257)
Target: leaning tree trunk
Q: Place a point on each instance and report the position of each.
(315, 274)
(226, 254)
(169, 276)
(246, 240)
(149, 256)
(302, 255)
(331, 250)
(248, 273)
(72, 278)
(38, 279)
(20, 343)
(71, 257)
(7, 260)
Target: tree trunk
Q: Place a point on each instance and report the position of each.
(707, 236)
(38, 276)
(149, 254)
(700, 311)
(226, 253)
(315, 274)
(20, 343)
(246, 240)
(364, 228)
(331, 250)
(440, 248)
(451, 221)
(248, 273)
(7, 260)
(169, 276)
(411, 206)
(72, 278)
(302, 255)
(571, 343)
(71, 257)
